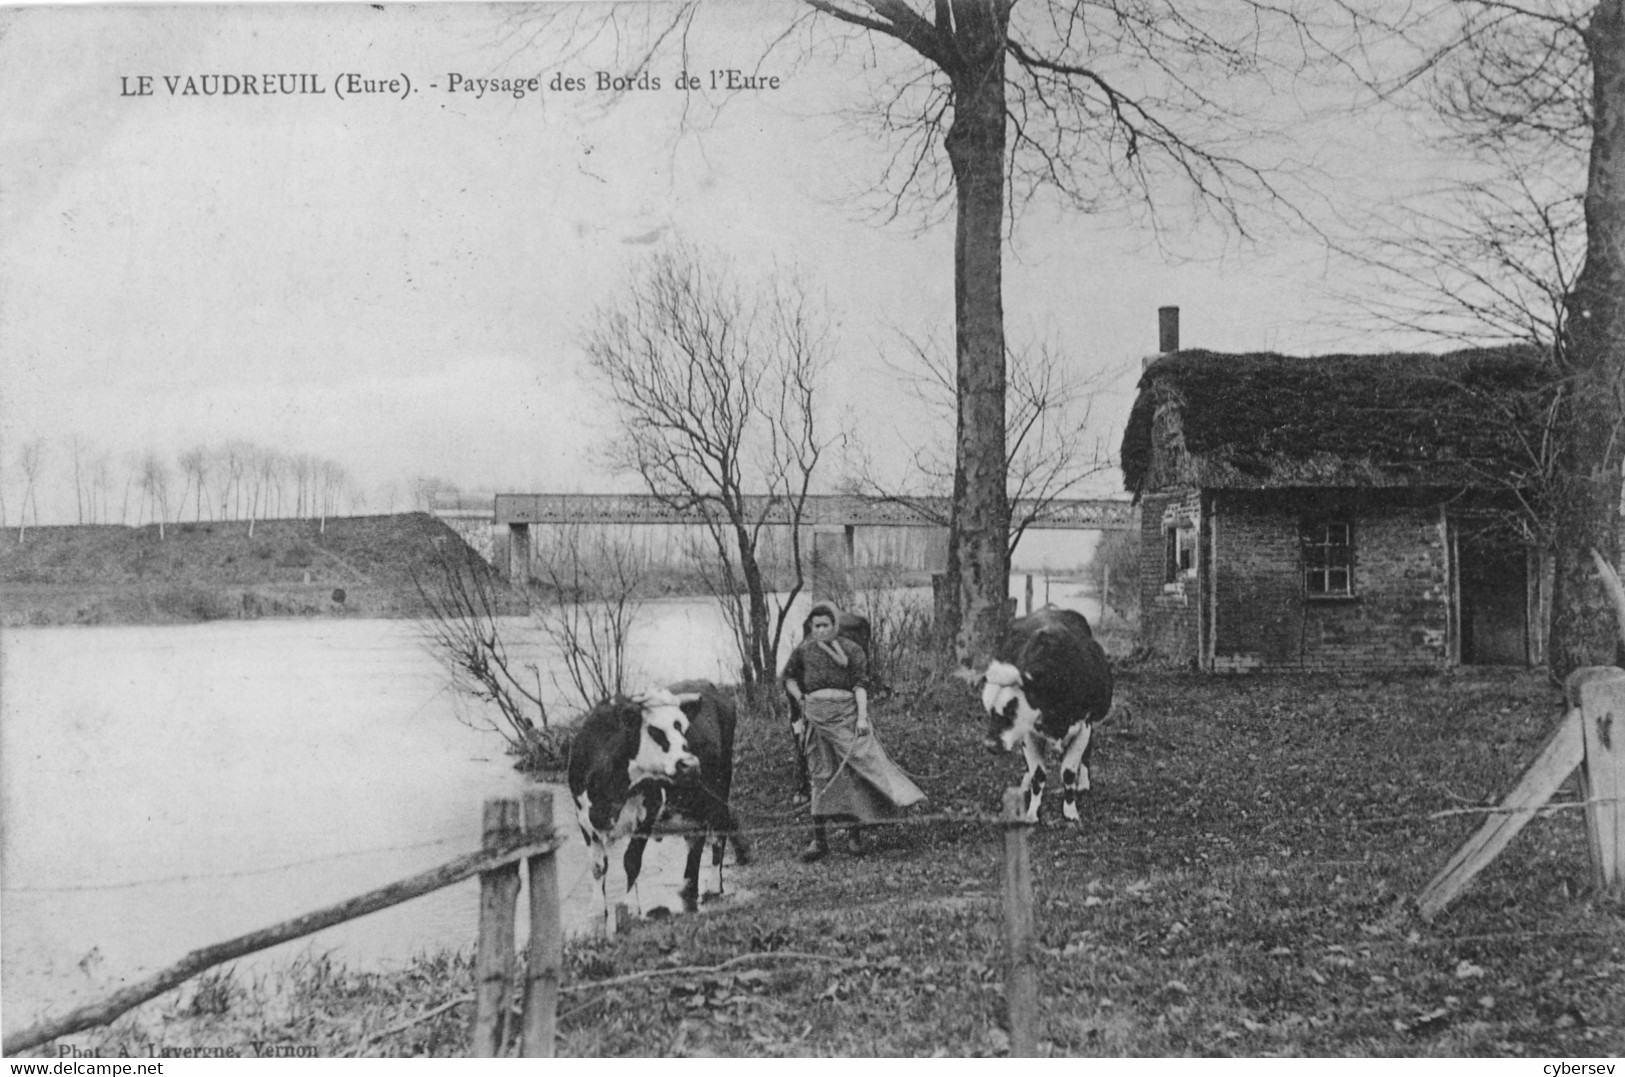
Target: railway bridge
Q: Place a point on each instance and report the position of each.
(833, 520)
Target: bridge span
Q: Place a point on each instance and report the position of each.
(820, 511)
(502, 528)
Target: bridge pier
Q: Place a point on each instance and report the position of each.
(832, 557)
(514, 562)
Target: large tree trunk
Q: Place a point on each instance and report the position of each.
(980, 562)
(1592, 422)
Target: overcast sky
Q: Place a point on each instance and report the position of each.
(400, 285)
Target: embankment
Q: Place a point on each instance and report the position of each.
(356, 566)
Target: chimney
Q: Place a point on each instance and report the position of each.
(1167, 329)
(1167, 334)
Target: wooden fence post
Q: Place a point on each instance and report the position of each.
(1602, 776)
(1021, 976)
(493, 961)
(546, 954)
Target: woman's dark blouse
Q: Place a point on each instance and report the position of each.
(812, 668)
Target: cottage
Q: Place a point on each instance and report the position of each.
(1341, 512)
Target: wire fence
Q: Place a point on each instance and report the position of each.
(972, 817)
(1009, 822)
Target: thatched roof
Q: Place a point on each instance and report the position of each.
(1270, 421)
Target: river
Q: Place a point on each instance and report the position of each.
(165, 788)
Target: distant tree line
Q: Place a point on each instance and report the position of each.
(237, 480)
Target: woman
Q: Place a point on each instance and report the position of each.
(852, 777)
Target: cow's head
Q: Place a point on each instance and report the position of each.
(1004, 696)
(662, 721)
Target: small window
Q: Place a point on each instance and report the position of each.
(1328, 559)
(1179, 557)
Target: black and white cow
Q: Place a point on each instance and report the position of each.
(855, 627)
(1048, 682)
(665, 756)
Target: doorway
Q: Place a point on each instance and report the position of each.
(1492, 572)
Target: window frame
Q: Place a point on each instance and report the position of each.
(1179, 551)
(1322, 559)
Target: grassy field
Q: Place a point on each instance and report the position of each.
(1241, 886)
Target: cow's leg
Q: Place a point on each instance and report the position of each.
(653, 801)
(633, 860)
(719, 849)
(598, 860)
(728, 830)
(691, 871)
(1032, 786)
(1075, 768)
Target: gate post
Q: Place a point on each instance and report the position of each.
(545, 957)
(1602, 775)
(493, 960)
(1021, 977)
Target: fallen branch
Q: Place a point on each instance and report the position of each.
(427, 1015)
(680, 970)
(684, 970)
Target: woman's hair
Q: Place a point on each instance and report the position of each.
(824, 609)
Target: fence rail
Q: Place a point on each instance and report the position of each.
(500, 855)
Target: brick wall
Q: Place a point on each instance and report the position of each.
(1397, 618)
(1168, 610)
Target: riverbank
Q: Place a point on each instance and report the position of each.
(1241, 886)
(355, 566)
(345, 566)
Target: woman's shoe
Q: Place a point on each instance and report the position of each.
(814, 852)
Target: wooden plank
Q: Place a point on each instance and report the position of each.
(99, 1013)
(1562, 752)
(1602, 709)
(493, 957)
(1021, 977)
(545, 962)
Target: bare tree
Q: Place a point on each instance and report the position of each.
(156, 487)
(462, 601)
(1490, 260)
(230, 464)
(1113, 105)
(76, 456)
(1110, 104)
(31, 462)
(265, 472)
(329, 482)
(588, 590)
(101, 487)
(195, 466)
(1538, 85)
(715, 391)
(1048, 443)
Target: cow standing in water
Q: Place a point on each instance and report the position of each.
(1048, 682)
(662, 757)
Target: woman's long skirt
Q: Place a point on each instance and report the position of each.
(851, 773)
